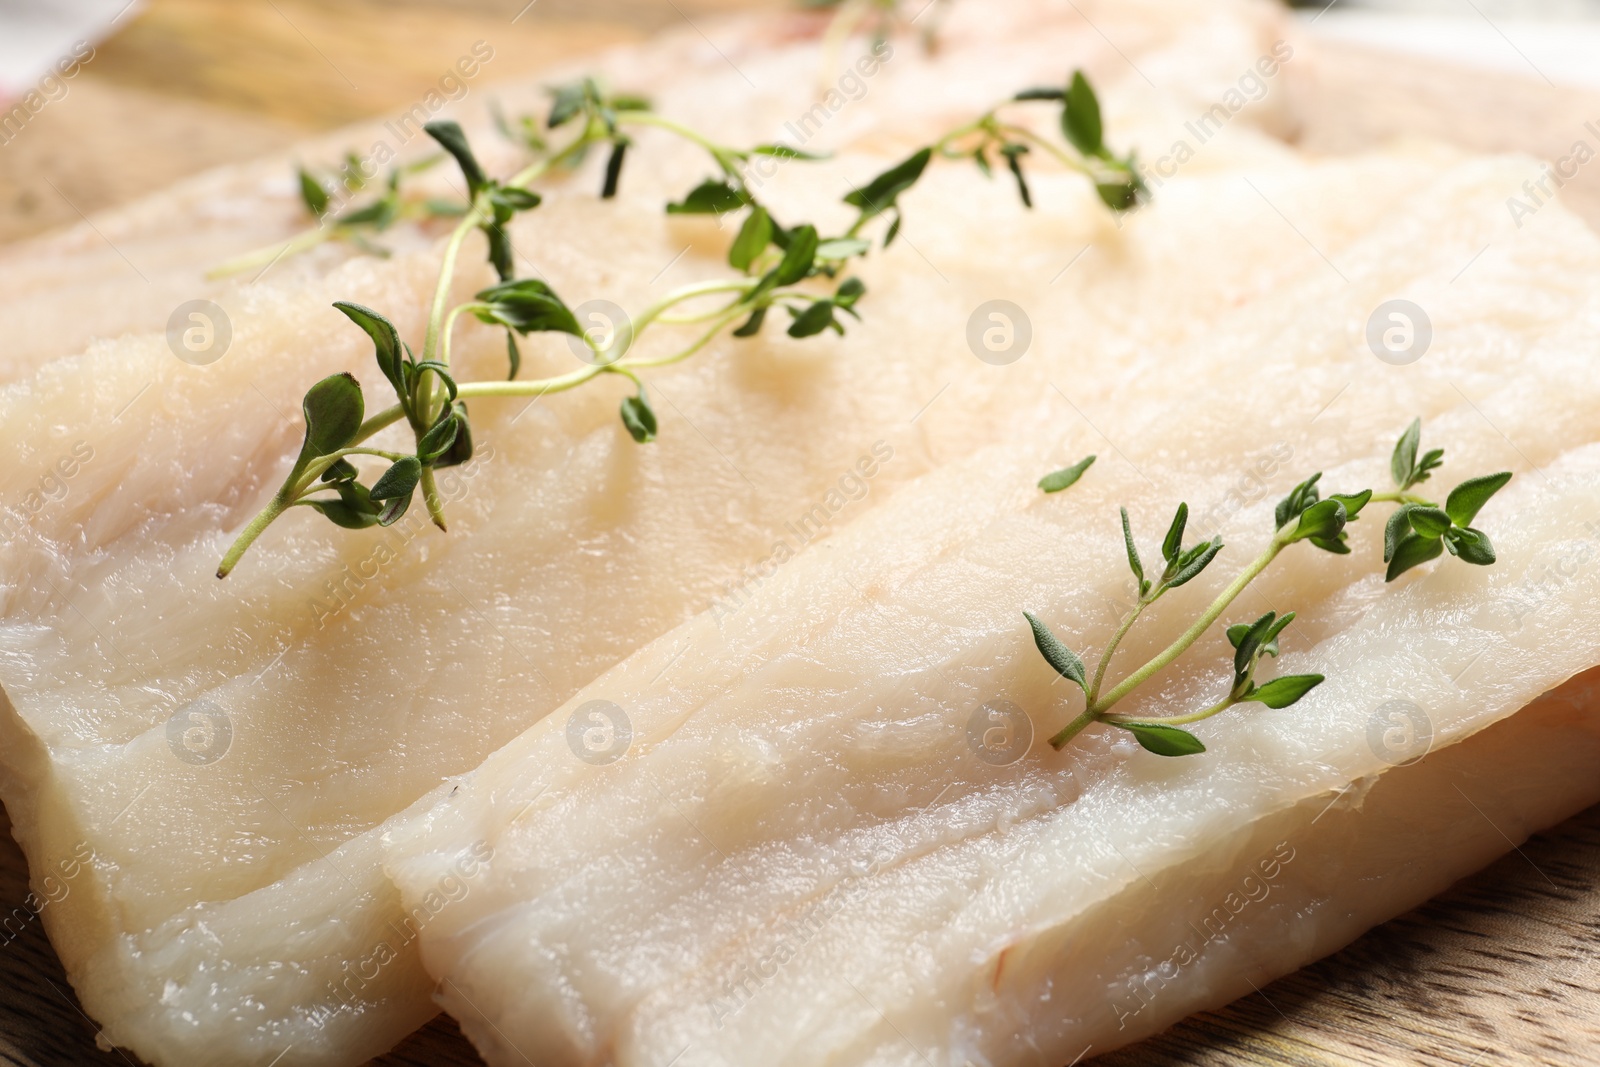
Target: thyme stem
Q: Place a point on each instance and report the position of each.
(264, 518)
(1198, 628)
(1173, 720)
(447, 270)
(269, 254)
(1111, 647)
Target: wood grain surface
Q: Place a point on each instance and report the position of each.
(189, 84)
(1502, 969)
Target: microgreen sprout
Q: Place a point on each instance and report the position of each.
(1417, 531)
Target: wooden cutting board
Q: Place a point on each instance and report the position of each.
(1502, 969)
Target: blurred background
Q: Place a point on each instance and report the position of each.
(118, 98)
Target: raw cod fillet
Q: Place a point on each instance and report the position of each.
(800, 860)
(230, 752)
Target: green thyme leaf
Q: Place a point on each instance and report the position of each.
(1430, 460)
(1173, 544)
(754, 236)
(1398, 526)
(1429, 522)
(396, 486)
(1066, 477)
(710, 197)
(1299, 499)
(1470, 545)
(1324, 520)
(783, 151)
(619, 151)
(1045, 92)
(344, 515)
(800, 255)
(1468, 498)
(460, 450)
(380, 215)
(566, 102)
(511, 199)
(449, 134)
(1080, 118)
(1404, 459)
(333, 409)
(850, 290)
(1197, 559)
(513, 355)
(1249, 646)
(526, 306)
(1413, 551)
(837, 248)
(313, 194)
(1013, 154)
(1285, 689)
(883, 192)
(384, 339)
(752, 325)
(1120, 195)
(437, 441)
(1164, 740)
(1134, 563)
(500, 251)
(1353, 502)
(814, 319)
(341, 471)
(639, 417)
(1063, 659)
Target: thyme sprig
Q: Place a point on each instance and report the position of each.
(775, 261)
(1416, 532)
(1115, 178)
(594, 118)
(778, 265)
(882, 18)
(369, 216)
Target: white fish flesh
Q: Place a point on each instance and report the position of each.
(231, 753)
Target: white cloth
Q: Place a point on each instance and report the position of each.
(1550, 40)
(36, 34)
